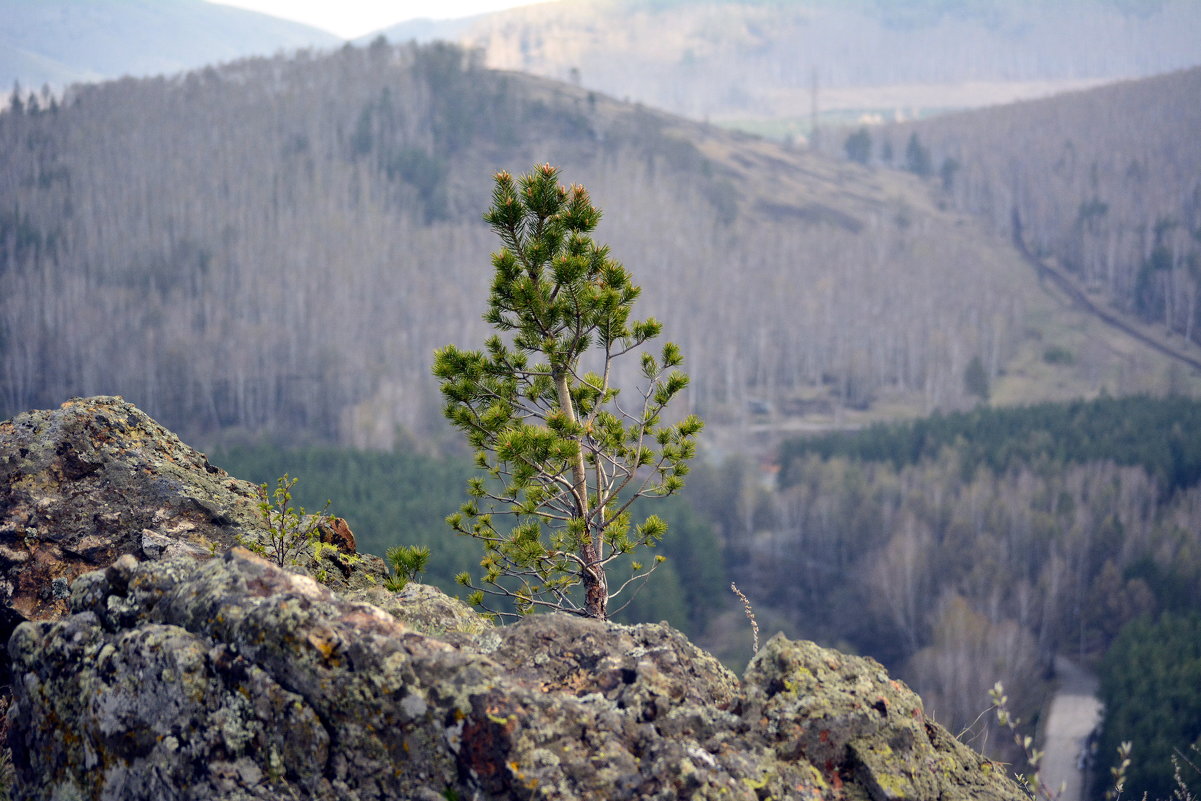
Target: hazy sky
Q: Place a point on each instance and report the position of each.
(351, 18)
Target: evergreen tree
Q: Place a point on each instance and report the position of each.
(1151, 687)
(15, 104)
(917, 157)
(947, 172)
(859, 146)
(975, 378)
(560, 454)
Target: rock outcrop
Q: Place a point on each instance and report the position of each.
(234, 679)
(97, 478)
(171, 674)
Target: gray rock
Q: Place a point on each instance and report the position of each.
(234, 679)
(168, 674)
(425, 609)
(97, 478)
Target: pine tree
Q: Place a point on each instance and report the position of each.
(917, 157)
(563, 459)
(859, 146)
(975, 379)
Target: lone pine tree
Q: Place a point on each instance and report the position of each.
(563, 458)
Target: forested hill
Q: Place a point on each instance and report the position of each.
(1103, 185)
(738, 59)
(59, 42)
(974, 547)
(278, 245)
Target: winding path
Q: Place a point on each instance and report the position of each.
(1075, 712)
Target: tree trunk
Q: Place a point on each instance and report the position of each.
(596, 590)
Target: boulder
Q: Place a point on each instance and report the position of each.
(97, 478)
(234, 679)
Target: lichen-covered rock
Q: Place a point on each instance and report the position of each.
(97, 478)
(425, 609)
(232, 679)
(844, 715)
(170, 674)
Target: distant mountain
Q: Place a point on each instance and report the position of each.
(731, 59)
(279, 244)
(59, 42)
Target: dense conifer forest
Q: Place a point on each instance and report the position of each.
(1151, 687)
(1157, 434)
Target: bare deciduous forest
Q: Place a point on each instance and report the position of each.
(1105, 183)
(972, 548)
(279, 245)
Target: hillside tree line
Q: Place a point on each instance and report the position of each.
(1104, 183)
(969, 548)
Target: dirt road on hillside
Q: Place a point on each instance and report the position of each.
(1075, 712)
(1084, 302)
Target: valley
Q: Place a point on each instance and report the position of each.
(948, 374)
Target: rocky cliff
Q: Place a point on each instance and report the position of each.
(174, 674)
